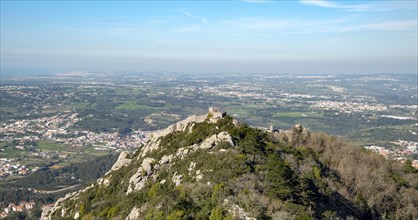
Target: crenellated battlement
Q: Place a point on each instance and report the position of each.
(214, 113)
(179, 126)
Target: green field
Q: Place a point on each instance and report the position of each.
(4, 144)
(51, 146)
(129, 105)
(12, 152)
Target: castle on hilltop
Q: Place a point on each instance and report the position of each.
(213, 115)
(216, 113)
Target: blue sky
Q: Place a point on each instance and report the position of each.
(253, 36)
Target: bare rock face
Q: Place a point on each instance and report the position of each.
(45, 211)
(177, 179)
(191, 167)
(123, 160)
(154, 144)
(58, 205)
(199, 175)
(166, 159)
(103, 181)
(237, 212)
(134, 214)
(224, 136)
(209, 143)
(213, 140)
(182, 152)
(77, 215)
(137, 181)
(147, 165)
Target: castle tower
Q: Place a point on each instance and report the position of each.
(216, 113)
(271, 128)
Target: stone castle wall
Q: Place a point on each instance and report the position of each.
(179, 126)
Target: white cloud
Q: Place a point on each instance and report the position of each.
(274, 26)
(190, 15)
(318, 3)
(329, 4)
(294, 26)
(375, 6)
(259, 24)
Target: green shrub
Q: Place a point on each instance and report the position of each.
(175, 215)
(216, 213)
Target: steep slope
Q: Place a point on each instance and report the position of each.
(221, 169)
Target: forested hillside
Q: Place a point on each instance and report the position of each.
(229, 170)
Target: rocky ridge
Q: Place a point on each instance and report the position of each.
(149, 166)
(221, 169)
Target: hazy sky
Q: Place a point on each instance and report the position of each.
(40, 37)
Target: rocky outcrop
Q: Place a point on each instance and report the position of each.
(139, 179)
(153, 144)
(57, 206)
(103, 181)
(199, 175)
(146, 170)
(177, 179)
(166, 159)
(215, 139)
(182, 152)
(237, 212)
(240, 213)
(149, 167)
(123, 160)
(45, 213)
(134, 214)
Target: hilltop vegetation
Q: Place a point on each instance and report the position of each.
(291, 175)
